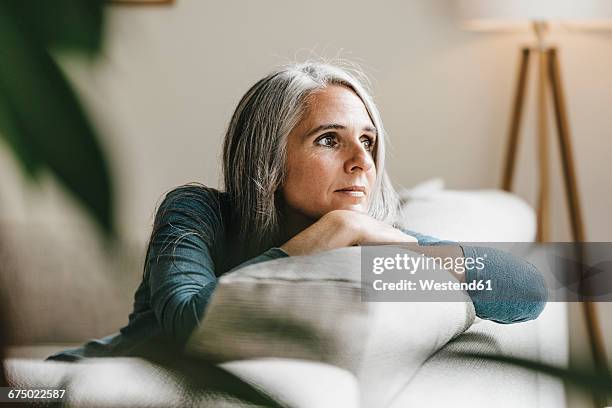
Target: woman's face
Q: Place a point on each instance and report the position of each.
(330, 162)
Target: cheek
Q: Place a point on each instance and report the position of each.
(372, 176)
(309, 178)
(310, 173)
(319, 170)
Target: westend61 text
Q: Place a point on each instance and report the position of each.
(432, 285)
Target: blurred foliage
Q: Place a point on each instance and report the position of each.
(41, 118)
(46, 128)
(594, 381)
(202, 373)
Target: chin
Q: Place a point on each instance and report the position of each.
(356, 208)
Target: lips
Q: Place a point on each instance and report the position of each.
(353, 191)
(353, 188)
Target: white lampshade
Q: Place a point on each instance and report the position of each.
(504, 14)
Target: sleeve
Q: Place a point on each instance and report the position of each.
(270, 254)
(179, 265)
(519, 292)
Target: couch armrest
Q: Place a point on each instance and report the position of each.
(467, 215)
(112, 382)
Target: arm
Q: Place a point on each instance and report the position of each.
(433, 247)
(519, 291)
(342, 228)
(180, 268)
(270, 254)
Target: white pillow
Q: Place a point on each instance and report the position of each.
(467, 216)
(310, 307)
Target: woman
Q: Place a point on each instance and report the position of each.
(304, 172)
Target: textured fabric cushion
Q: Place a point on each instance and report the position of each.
(132, 382)
(110, 382)
(60, 286)
(463, 381)
(481, 216)
(299, 383)
(310, 308)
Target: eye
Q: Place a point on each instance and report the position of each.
(368, 143)
(327, 140)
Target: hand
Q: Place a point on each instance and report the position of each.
(343, 228)
(366, 229)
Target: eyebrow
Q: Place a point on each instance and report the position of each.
(338, 126)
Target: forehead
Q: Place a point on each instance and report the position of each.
(336, 104)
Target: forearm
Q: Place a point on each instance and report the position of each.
(269, 255)
(519, 290)
(327, 233)
(442, 251)
(343, 228)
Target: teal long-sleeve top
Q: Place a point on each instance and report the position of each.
(191, 247)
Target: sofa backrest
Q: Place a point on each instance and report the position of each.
(60, 286)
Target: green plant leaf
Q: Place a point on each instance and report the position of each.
(49, 126)
(10, 129)
(62, 24)
(202, 373)
(584, 378)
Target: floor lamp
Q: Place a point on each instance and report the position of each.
(540, 15)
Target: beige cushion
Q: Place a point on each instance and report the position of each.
(112, 382)
(133, 382)
(467, 215)
(60, 286)
(310, 308)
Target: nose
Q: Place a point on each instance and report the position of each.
(358, 159)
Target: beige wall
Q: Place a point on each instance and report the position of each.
(170, 76)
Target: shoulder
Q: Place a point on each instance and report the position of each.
(193, 206)
(193, 195)
(193, 199)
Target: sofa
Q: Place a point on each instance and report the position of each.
(62, 289)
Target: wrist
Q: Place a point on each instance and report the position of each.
(345, 227)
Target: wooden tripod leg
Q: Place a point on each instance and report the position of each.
(542, 149)
(515, 124)
(594, 330)
(567, 159)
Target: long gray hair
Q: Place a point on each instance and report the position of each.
(254, 151)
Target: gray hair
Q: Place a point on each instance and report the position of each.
(254, 151)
